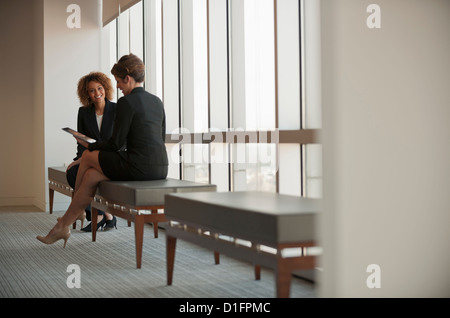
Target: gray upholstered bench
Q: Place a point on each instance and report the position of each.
(138, 202)
(265, 229)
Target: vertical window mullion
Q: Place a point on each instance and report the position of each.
(180, 113)
(144, 51)
(277, 150)
(230, 166)
(209, 84)
(302, 97)
(302, 64)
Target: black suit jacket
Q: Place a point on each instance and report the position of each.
(140, 125)
(87, 124)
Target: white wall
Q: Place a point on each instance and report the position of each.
(386, 97)
(69, 54)
(44, 60)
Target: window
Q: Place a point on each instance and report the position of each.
(240, 88)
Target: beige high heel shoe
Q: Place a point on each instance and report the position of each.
(81, 217)
(50, 239)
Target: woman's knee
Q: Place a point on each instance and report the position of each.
(93, 176)
(90, 158)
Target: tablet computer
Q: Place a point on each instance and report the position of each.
(79, 135)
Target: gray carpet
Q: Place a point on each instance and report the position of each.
(31, 269)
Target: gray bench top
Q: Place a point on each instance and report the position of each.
(136, 193)
(147, 193)
(58, 174)
(263, 216)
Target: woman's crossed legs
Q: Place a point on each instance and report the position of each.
(89, 175)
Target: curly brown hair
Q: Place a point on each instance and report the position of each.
(100, 77)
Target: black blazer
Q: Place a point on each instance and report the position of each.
(87, 124)
(140, 125)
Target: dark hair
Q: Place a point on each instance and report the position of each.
(102, 78)
(129, 65)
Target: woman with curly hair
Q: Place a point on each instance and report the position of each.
(95, 120)
(140, 124)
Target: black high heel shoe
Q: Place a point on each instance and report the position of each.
(100, 224)
(110, 224)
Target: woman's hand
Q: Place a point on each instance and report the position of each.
(82, 142)
(76, 162)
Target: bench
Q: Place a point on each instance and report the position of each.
(139, 202)
(57, 182)
(265, 229)
(135, 201)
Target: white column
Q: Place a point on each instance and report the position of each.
(153, 47)
(170, 64)
(288, 64)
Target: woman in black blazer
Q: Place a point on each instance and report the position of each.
(95, 120)
(140, 126)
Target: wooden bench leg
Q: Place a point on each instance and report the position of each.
(94, 216)
(139, 237)
(51, 194)
(216, 258)
(283, 278)
(171, 243)
(74, 225)
(155, 224)
(257, 272)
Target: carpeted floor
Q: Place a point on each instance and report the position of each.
(31, 269)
